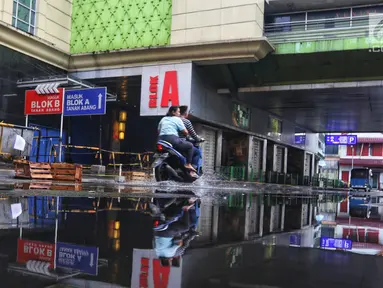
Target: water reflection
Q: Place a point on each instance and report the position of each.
(189, 239)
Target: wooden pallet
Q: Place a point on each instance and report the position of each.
(67, 172)
(30, 170)
(137, 176)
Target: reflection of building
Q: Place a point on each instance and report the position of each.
(368, 153)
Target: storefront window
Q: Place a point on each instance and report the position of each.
(24, 15)
(328, 19)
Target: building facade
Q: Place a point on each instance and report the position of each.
(222, 60)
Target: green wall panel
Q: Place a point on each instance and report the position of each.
(325, 45)
(101, 25)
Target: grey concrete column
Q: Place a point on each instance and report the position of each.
(247, 218)
(218, 155)
(250, 157)
(272, 216)
(274, 158)
(285, 160)
(310, 208)
(283, 211)
(261, 215)
(215, 223)
(312, 165)
(264, 155)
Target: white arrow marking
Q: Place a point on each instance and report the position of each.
(99, 100)
(91, 260)
(55, 85)
(46, 89)
(51, 88)
(38, 89)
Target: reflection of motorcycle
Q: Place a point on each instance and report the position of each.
(166, 211)
(169, 163)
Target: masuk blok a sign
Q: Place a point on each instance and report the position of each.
(341, 139)
(85, 102)
(81, 258)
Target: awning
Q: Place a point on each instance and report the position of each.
(362, 162)
(370, 140)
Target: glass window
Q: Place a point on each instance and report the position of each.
(360, 15)
(328, 19)
(24, 15)
(331, 149)
(275, 125)
(286, 23)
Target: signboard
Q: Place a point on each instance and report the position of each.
(241, 116)
(35, 250)
(300, 139)
(295, 240)
(82, 258)
(147, 271)
(341, 139)
(335, 243)
(40, 104)
(85, 102)
(164, 86)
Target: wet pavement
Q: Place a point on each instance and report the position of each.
(109, 235)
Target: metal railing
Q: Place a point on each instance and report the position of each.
(323, 29)
(233, 173)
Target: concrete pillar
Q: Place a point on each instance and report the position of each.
(274, 158)
(264, 155)
(310, 213)
(261, 215)
(250, 157)
(283, 211)
(218, 155)
(285, 160)
(215, 223)
(272, 216)
(312, 165)
(247, 217)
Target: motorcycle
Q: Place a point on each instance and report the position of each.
(169, 163)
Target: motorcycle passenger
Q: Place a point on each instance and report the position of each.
(169, 128)
(189, 126)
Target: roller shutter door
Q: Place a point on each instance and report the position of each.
(256, 156)
(209, 149)
(279, 159)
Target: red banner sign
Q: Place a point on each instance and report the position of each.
(38, 104)
(169, 94)
(34, 250)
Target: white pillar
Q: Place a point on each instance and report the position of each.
(215, 223)
(218, 155)
(274, 158)
(261, 215)
(264, 156)
(250, 157)
(283, 211)
(285, 160)
(247, 218)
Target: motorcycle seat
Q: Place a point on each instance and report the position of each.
(164, 142)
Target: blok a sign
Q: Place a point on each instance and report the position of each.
(165, 86)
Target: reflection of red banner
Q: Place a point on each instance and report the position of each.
(34, 250)
(160, 274)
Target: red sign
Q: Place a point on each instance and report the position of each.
(38, 104)
(34, 250)
(169, 95)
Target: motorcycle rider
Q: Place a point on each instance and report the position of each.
(169, 129)
(191, 133)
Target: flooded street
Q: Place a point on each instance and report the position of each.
(131, 236)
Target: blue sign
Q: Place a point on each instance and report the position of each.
(301, 139)
(341, 139)
(295, 240)
(85, 102)
(335, 243)
(82, 258)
